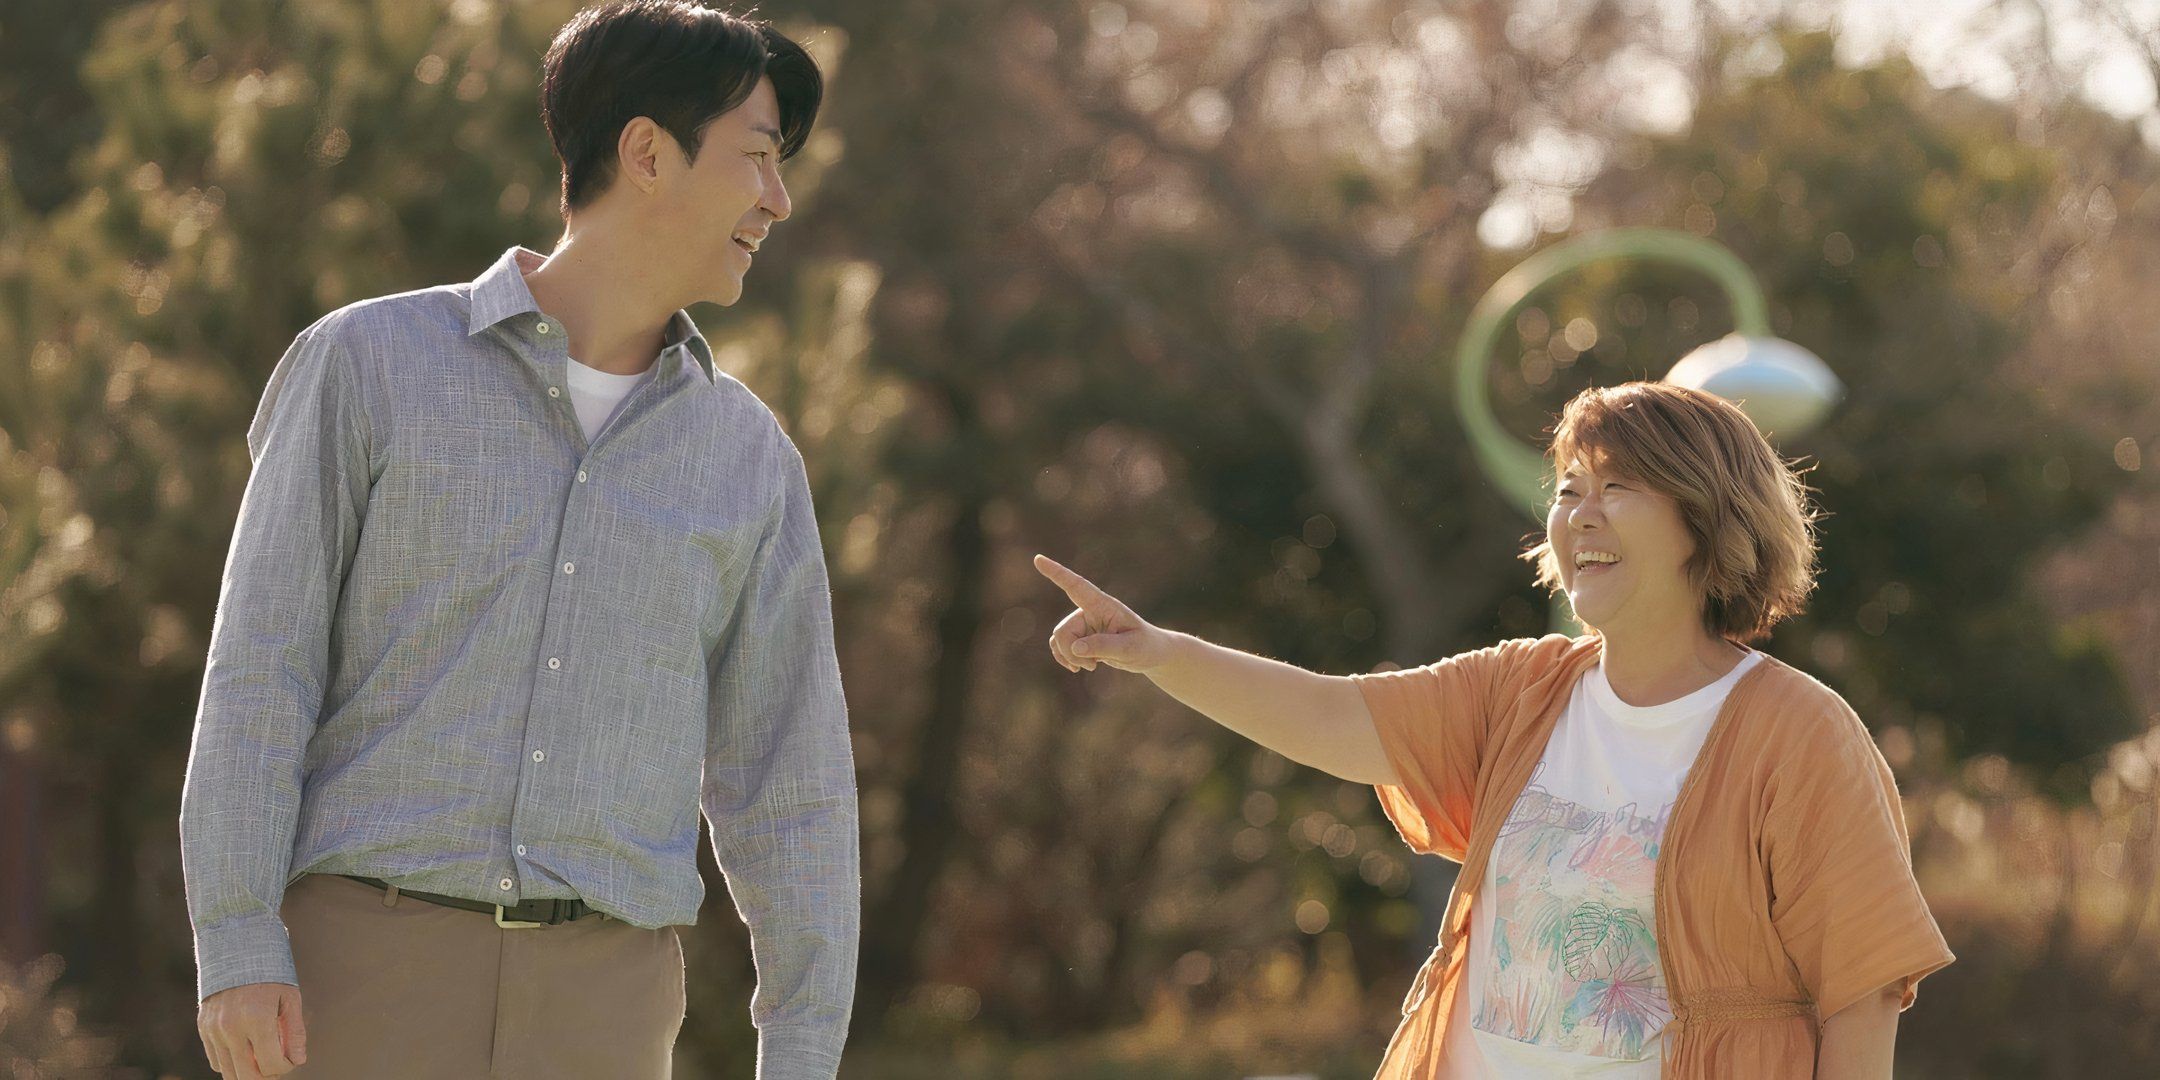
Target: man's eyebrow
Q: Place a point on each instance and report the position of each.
(772, 133)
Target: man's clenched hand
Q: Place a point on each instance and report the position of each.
(254, 1031)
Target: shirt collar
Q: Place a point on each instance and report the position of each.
(501, 293)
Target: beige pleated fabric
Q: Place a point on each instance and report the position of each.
(419, 991)
(1784, 887)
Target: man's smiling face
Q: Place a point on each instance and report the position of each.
(728, 200)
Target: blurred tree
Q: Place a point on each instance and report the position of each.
(1911, 239)
(41, 1033)
(46, 113)
(996, 371)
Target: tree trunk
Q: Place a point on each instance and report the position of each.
(22, 879)
(893, 925)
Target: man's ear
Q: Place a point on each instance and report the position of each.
(637, 152)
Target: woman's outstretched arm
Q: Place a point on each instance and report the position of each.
(1317, 720)
(1858, 1043)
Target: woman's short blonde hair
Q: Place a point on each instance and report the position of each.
(1746, 508)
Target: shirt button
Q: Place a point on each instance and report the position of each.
(545, 328)
(554, 391)
(569, 568)
(521, 849)
(554, 661)
(539, 755)
(505, 883)
(581, 476)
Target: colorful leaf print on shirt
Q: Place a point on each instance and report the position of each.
(1575, 964)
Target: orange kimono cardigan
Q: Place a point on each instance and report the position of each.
(1784, 886)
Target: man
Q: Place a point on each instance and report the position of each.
(519, 583)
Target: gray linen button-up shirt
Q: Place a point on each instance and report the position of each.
(459, 648)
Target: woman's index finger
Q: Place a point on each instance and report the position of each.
(1082, 592)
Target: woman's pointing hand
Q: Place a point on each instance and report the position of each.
(1101, 629)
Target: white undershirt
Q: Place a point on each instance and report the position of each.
(596, 394)
(1562, 977)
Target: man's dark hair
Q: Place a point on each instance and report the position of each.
(676, 61)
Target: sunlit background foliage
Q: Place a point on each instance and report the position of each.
(1163, 289)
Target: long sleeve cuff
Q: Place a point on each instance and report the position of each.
(799, 1052)
(242, 951)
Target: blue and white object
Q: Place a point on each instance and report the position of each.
(1779, 385)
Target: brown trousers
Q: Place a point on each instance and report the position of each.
(391, 986)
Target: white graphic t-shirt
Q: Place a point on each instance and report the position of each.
(596, 394)
(1562, 976)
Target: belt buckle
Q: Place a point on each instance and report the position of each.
(512, 924)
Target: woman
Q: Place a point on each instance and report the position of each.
(1681, 857)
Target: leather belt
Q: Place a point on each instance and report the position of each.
(519, 916)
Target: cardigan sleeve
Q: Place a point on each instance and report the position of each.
(1843, 898)
(1433, 722)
